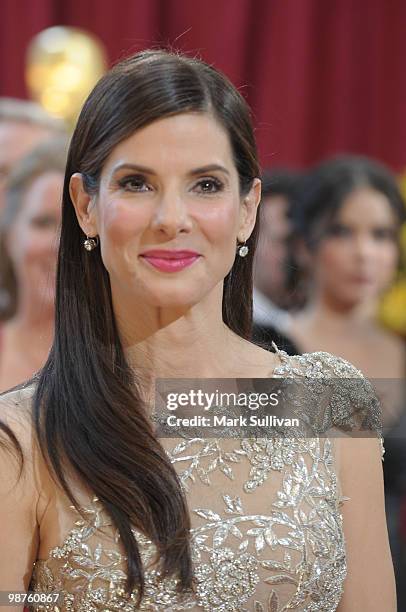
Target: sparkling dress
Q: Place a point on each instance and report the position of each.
(266, 532)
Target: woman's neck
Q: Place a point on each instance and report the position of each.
(175, 341)
(25, 345)
(189, 346)
(324, 312)
(191, 342)
(33, 334)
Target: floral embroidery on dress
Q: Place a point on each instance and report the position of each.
(289, 554)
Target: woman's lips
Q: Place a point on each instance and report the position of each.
(170, 261)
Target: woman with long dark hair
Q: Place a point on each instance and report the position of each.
(155, 281)
(348, 215)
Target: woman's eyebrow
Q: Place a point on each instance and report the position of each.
(209, 168)
(145, 170)
(133, 167)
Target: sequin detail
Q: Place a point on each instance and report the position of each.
(271, 539)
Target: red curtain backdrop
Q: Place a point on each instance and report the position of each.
(322, 76)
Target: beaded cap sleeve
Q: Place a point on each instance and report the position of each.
(333, 395)
(266, 531)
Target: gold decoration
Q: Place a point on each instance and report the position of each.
(63, 65)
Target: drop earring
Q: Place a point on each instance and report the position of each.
(91, 243)
(243, 250)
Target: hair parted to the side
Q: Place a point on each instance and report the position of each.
(88, 409)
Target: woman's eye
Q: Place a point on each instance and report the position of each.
(384, 234)
(133, 183)
(340, 231)
(209, 185)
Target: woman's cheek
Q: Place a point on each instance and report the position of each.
(219, 222)
(121, 220)
(333, 257)
(29, 248)
(387, 265)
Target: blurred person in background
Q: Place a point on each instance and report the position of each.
(401, 571)
(23, 125)
(395, 502)
(347, 215)
(28, 248)
(272, 296)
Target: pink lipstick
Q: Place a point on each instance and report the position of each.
(170, 260)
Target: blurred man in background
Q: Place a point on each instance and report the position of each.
(273, 296)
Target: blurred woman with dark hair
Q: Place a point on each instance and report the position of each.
(348, 213)
(154, 281)
(28, 249)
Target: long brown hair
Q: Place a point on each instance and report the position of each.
(87, 407)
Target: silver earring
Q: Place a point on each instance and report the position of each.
(243, 250)
(91, 243)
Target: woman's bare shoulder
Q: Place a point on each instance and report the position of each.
(392, 350)
(18, 443)
(16, 407)
(315, 364)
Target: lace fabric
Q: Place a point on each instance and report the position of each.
(267, 533)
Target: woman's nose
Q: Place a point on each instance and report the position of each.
(171, 215)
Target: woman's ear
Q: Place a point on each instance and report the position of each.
(84, 204)
(248, 210)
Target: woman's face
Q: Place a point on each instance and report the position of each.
(32, 240)
(168, 212)
(358, 258)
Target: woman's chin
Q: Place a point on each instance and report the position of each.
(354, 299)
(174, 298)
(172, 303)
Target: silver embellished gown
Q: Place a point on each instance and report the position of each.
(266, 525)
